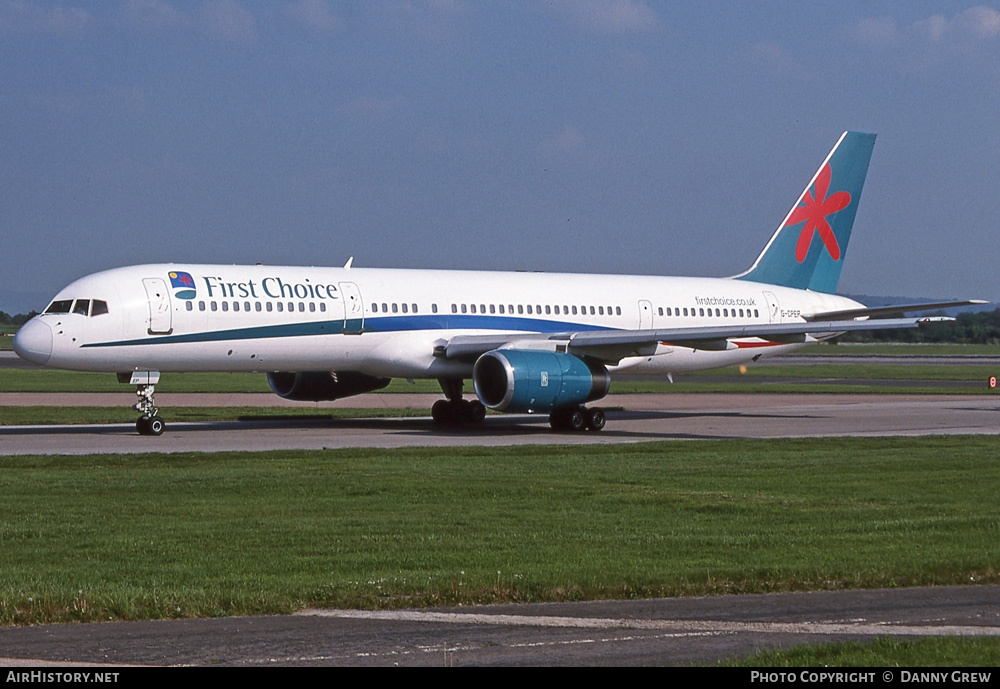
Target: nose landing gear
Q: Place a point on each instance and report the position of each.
(150, 422)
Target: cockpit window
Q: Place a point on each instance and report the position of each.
(61, 306)
(82, 307)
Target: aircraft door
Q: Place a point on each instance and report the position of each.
(354, 309)
(645, 314)
(773, 314)
(159, 306)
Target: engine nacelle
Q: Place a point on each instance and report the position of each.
(321, 386)
(516, 380)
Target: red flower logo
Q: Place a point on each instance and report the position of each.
(814, 214)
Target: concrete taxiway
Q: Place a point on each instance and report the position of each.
(631, 418)
(676, 631)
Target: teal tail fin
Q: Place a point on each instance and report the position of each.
(808, 248)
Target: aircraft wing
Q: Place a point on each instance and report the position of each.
(611, 346)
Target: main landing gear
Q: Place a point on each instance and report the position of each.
(456, 412)
(577, 419)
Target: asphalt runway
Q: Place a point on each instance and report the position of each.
(631, 418)
(675, 631)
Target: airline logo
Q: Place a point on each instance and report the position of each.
(814, 213)
(182, 284)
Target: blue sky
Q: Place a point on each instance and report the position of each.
(588, 135)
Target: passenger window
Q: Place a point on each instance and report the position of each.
(269, 307)
(236, 306)
(405, 308)
(434, 308)
(302, 307)
(201, 305)
(246, 306)
(618, 310)
(413, 308)
(281, 307)
(215, 306)
(312, 307)
(189, 305)
(225, 306)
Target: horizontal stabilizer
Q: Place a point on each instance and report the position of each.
(889, 311)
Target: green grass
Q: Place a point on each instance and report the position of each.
(41, 416)
(883, 652)
(51, 380)
(817, 378)
(153, 536)
(901, 349)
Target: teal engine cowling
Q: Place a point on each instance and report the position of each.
(516, 380)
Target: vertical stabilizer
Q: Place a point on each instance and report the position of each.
(807, 250)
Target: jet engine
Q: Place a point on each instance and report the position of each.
(515, 380)
(321, 386)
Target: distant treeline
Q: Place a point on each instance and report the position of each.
(967, 328)
(19, 319)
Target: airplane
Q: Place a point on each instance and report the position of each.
(542, 343)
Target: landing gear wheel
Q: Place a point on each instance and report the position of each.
(152, 425)
(441, 413)
(456, 413)
(477, 412)
(557, 419)
(596, 419)
(576, 419)
(156, 426)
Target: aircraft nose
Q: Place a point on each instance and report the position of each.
(34, 341)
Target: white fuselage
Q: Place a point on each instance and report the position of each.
(386, 322)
